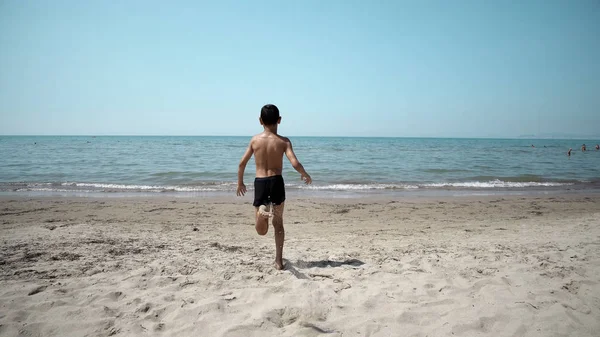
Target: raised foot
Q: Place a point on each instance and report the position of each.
(264, 211)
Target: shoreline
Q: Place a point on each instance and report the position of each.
(324, 194)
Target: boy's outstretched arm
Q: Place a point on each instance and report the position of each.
(289, 153)
(241, 188)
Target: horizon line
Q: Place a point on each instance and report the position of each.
(408, 137)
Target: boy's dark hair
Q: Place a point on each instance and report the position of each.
(269, 114)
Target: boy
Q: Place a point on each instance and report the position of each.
(268, 148)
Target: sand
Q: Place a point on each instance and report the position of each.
(160, 266)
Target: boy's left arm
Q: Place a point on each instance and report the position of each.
(241, 188)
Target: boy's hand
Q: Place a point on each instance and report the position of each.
(306, 178)
(241, 189)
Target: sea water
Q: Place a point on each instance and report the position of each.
(338, 165)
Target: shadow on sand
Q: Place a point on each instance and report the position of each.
(328, 263)
(318, 264)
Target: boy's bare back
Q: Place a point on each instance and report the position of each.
(269, 149)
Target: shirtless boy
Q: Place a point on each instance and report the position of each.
(268, 148)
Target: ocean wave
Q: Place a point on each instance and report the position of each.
(524, 178)
(154, 188)
(55, 190)
(108, 187)
(231, 186)
(351, 187)
(496, 184)
(467, 184)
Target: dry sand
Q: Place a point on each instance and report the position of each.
(489, 266)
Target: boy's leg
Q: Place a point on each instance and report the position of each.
(262, 223)
(279, 234)
(261, 195)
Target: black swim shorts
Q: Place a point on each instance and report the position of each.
(269, 190)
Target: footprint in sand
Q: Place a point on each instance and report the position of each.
(144, 308)
(483, 324)
(283, 317)
(417, 318)
(115, 295)
(37, 290)
(159, 327)
(157, 314)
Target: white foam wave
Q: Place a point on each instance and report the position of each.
(113, 186)
(150, 188)
(473, 184)
(344, 187)
(47, 189)
(230, 186)
(496, 184)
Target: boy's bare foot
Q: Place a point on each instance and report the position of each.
(279, 265)
(264, 211)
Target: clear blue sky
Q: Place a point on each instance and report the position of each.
(349, 68)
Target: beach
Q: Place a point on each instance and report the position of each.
(491, 265)
(439, 163)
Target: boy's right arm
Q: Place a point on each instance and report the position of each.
(241, 188)
(289, 153)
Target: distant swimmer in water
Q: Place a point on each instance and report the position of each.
(569, 153)
(532, 145)
(597, 147)
(583, 148)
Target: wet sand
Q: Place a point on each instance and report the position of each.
(380, 266)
